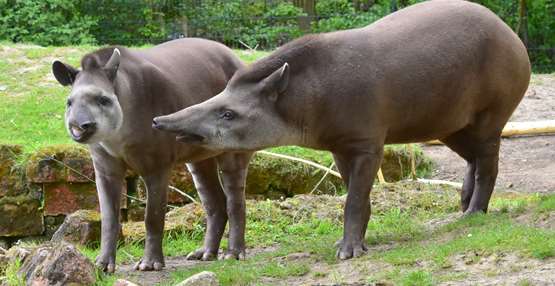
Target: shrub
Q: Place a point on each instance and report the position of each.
(45, 22)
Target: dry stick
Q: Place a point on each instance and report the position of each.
(412, 161)
(315, 165)
(183, 194)
(322, 179)
(520, 128)
(86, 177)
(249, 47)
(318, 166)
(129, 196)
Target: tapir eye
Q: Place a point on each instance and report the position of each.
(103, 100)
(68, 103)
(227, 115)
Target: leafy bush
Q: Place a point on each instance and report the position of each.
(266, 23)
(45, 22)
(341, 15)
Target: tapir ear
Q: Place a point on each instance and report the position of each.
(64, 73)
(277, 81)
(112, 65)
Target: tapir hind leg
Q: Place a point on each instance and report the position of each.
(479, 145)
(458, 142)
(487, 161)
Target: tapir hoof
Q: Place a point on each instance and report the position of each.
(105, 265)
(149, 265)
(471, 211)
(350, 250)
(234, 254)
(202, 254)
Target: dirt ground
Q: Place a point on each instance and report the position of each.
(526, 164)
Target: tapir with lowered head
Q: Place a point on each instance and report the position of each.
(113, 99)
(446, 69)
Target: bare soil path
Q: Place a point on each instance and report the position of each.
(527, 164)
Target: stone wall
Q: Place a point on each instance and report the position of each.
(38, 190)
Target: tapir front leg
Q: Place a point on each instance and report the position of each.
(109, 173)
(233, 172)
(360, 169)
(157, 188)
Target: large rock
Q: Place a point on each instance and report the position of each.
(204, 278)
(82, 227)
(20, 216)
(58, 264)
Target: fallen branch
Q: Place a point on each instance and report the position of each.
(330, 171)
(439, 182)
(520, 128)
(183, 194)
(308, 162)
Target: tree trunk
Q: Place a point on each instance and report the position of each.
(522, 27)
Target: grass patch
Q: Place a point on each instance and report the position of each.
(482, 233)
(546, 204)
(12, 278)
(417, 278)
(393, 225)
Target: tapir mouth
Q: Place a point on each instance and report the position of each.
(80, 135)
(188, 137)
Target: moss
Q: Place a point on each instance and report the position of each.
(184, 220)
(12, 177)
(396, 164)
(21, 216)
(47, 163)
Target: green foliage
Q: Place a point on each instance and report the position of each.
(45, 22)
(340, 15)
(263, 23)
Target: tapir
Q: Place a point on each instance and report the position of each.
(113, 99)
(447, 69)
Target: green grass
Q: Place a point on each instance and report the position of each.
(547, 203)
(11, 276)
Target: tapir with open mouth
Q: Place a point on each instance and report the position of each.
(113, 99)
(447, 69)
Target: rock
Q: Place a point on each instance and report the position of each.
(18, 253)
(21, 216)
(49, 164)
(82, 227)
(58, 264)
(123, 282)
(204, 278)
(65, 198)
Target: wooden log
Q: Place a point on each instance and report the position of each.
(521, 129)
